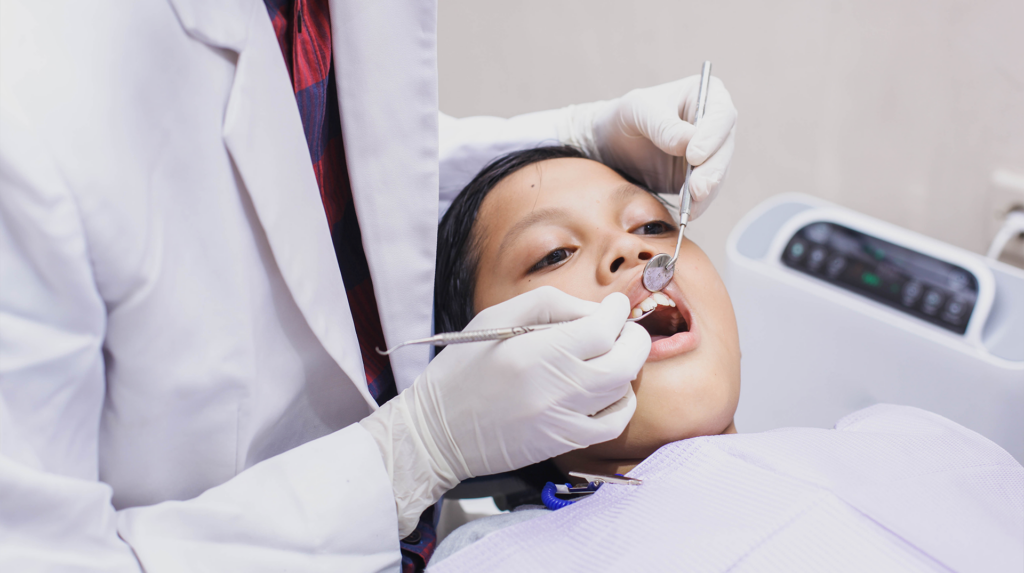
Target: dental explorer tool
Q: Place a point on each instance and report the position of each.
(446, 338)
(659, 270)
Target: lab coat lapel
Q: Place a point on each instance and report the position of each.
(385, 61)
(263, 133)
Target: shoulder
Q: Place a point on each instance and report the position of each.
(907, 421)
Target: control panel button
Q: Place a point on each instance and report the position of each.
(958, 280)
(816, 258)
(911, 292)
(955, 311)
(796, 250)
(836, 266)
(932, 302)
(818, 232)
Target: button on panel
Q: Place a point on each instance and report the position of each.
(955, 311)
(819, 232)
(932, 301)
(817, 258)
(835, 266)
(911, 293)
(796, 250)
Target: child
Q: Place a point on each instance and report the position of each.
(551, 217)
(886, 489)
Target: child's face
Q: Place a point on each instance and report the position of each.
(578, 226)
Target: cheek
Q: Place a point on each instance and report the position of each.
(688, 398)
(570, 280)
(706, 292)
(491, 290)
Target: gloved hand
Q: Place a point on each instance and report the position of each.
(489, 407)
(642, 133)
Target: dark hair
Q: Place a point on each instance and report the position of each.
(457, 245)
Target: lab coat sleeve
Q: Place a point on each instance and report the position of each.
(467, 144)
(324, 506)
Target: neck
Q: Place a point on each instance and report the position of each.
(621, 466)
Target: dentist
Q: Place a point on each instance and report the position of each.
(187, 381)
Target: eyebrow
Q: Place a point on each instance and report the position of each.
(534, 218)
(627, 191)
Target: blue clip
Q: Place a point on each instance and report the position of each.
(549, 494)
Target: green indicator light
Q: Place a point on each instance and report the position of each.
(870, 279)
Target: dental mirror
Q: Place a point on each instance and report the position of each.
(659, 270)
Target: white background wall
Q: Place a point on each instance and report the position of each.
(899, 109)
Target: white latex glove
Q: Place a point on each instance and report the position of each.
(490, 407)
(643, 134)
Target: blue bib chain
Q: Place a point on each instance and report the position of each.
(549, 494)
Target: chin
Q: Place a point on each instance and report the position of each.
(652, 428)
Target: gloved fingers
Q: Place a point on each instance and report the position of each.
(594, 334)
(540, 306)
(663, 126)
(609, 373)
(605, 424)
(707, 177)
(715, 128)
(611, 421)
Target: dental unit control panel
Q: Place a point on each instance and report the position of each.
(914, 283)
(838, 311)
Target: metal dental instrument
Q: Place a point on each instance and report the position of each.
(446, 338)
(599, 478)
(661, 267)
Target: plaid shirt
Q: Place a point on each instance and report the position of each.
(303, 29)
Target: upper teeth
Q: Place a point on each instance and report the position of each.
(650, 303)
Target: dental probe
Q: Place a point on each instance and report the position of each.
(661, 267)
(446, 338)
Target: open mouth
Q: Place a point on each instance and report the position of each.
(670, 325)
(665, 321)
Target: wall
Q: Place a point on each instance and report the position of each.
(901, 110)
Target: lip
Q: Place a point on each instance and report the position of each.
(636, 291)
(679, 343)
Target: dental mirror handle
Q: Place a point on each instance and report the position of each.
(660, 268)
(684, 192)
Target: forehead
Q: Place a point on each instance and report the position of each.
(555, 183)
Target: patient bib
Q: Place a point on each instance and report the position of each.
(889, 489)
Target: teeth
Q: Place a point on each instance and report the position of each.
(650, 303)
(662, 299)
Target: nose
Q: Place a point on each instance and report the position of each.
(626, 252)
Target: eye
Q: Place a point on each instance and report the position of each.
(553, 258)
(654, 228)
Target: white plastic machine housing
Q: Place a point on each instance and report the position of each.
(814, 352)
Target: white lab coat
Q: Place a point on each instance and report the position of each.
(180, 378)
